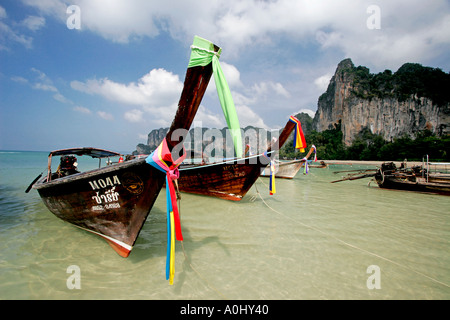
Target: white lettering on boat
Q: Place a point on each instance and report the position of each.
(108, 197)
(103, 183)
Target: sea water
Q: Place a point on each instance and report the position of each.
(311, 240)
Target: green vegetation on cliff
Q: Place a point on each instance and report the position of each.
(369, 146)
(410, 79)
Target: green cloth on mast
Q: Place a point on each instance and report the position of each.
(202, 54)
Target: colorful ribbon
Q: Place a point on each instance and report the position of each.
(162, 160)
(202, 54)
(272, 188)
(299, 137)
(306, 170)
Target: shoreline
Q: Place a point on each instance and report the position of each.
(433, 165)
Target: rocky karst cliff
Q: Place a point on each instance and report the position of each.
(211, 141)
(413, 99)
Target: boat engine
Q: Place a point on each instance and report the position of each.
(388, 167)
(67, 166)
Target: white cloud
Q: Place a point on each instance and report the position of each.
(157, 93)
(59, 97)
(55, 8)
(323, 81)
(143, 136)
(411, 31)
(10, 31)
(265, 88)
(33, 23)
(155, 88)
(307, 111)
(2, 13)
(8, 35)
(19, 79)
(409, 28)
(45, 87)
(105, 115)
(232, 75)
(82, 110)
(209, 119)
(248, 117)
(44, 83)
(134, 115)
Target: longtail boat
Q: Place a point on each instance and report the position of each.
(114, 201)
(417, 178)
(232, 179)
(289, 169)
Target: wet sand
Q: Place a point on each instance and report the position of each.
(433, 165)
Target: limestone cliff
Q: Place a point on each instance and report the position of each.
(383, 103)
(200, 139)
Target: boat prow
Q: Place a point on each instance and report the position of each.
(114, 201)
(231, 179)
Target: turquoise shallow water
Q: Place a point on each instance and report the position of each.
(311, 240)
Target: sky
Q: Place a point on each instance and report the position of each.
(104, 73)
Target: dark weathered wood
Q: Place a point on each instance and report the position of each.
(354, 177)
(413, 179)
(287, 169)
(229, 180)
(195, 84)
(114, 202)
(388, 176)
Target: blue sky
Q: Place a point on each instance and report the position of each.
(117, 77)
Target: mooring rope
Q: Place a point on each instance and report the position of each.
(348, 244)
(186, 258)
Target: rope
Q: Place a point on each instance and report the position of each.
(186, 258)
(206, 50)
(349, 244)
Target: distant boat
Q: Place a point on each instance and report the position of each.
(287, 169)
(231, 179)
(114, 201)
(417, 178)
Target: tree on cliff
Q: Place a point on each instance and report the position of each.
(369, 146)
(411, 79)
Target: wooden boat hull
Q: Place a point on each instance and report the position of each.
(417, 184)
(112, 202)
(412, 179)
(285, 170)
(229, 180)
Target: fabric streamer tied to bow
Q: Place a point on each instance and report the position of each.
(315, 152)
(162, 160)
(202, 54)
(299, 137)
(306, 170)
(272, 188)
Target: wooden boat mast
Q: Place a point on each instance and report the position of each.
(284, 135)
(195, 84)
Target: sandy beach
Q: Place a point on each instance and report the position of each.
(433, 165)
